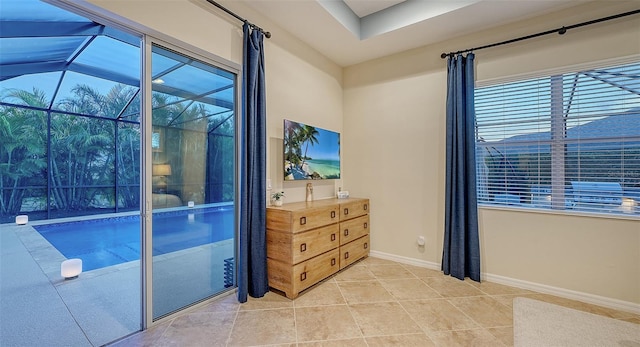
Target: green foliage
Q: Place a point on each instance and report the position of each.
(295, 137)
(80, 162)
(22, 150)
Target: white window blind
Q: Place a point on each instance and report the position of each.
(565, 141)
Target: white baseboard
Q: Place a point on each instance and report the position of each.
(405, 260)
(566, 293)
(537, 287)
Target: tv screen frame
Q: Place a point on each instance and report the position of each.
(310, 152)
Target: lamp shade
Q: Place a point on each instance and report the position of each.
(161, 170)
(22, 219)
(71, 268)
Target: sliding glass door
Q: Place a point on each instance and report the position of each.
(192, 183)
(116, 154)
(70, 165)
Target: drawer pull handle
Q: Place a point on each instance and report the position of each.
(366, 207)
(333, 237)
(333, 214)
(366, 245)
(366, 225)
(303, 247)
(333, 261)
(303, 276)
(346, 255)
(303, 220)
(346, 232)
(346, 211)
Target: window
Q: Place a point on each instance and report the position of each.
(566, 141)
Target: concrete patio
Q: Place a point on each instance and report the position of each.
(38, 307)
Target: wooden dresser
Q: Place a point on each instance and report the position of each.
(310, 241)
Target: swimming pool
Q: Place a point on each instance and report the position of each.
(110, 241)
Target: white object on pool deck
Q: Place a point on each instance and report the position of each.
(71, 268)
(190, 204)
(22, 219)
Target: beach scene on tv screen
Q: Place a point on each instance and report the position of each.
(310, 152)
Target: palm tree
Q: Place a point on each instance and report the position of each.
(83, 150)
(292, 142)
(220, 160)
(22, 149)
(308, 136)
(81, 168)
(128, 160)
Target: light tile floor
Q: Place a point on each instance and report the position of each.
(375, 302)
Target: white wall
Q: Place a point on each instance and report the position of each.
(394, 153)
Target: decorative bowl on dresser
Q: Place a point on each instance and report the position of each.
(310, 241)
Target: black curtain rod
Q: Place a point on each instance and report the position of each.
(560, 31)
(266, 33)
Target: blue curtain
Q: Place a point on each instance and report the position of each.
(252, 262)
(461, 251)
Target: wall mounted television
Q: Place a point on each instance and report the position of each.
(310, 152)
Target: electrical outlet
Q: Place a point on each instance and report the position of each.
(421, 241)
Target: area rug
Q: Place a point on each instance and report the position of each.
(537, 324)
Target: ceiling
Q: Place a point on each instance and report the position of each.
(353, 31)
(364, 8)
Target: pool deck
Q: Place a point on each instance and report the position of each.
(38, 307)
(27, 296)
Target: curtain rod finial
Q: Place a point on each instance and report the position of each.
(443, 55)
(267, 34)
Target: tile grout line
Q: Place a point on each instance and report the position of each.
(409, 314)
(295, 321)
(233, 325)
(351, 312)
(423, 333)
(454, 306)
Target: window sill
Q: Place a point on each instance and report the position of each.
(569, 213)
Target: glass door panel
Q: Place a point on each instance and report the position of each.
(69, 159)
(193, 161)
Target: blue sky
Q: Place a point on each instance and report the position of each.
(327, 146)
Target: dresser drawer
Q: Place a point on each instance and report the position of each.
(316, 269)
(353, 229)
(354, 208)
(293, 279)
(297, 220)
(354, 251)
(295, 248)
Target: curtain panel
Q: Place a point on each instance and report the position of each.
(252, 264)
(461, 250)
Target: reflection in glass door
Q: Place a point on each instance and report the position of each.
(193, 161)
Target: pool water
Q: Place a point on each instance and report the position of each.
(110, 241)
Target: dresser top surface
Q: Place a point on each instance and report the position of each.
(302, 205)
